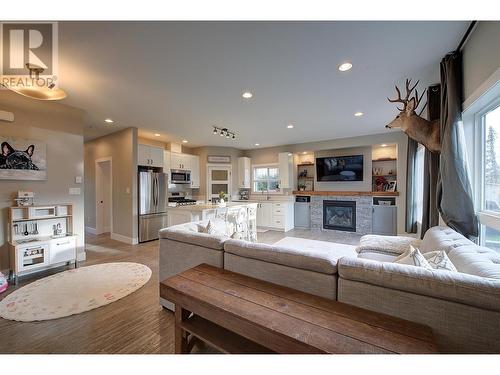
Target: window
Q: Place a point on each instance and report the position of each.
(490, 184)
(266, 179)
(419, 183)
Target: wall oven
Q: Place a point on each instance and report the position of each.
(180, 176)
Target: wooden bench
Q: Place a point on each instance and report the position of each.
(239, 314)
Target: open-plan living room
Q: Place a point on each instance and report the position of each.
(249, 187)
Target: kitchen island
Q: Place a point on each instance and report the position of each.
(241, 217)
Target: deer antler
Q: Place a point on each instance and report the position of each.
(409, 90)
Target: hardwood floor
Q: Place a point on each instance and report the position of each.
(134, 324)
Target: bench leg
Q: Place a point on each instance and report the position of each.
(180, 335)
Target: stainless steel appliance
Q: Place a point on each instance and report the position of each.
(152, 204)
(180, 176)
(303, 211)
(181, 201)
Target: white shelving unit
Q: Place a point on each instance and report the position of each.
(40, 237)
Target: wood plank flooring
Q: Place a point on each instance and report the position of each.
(134, 324)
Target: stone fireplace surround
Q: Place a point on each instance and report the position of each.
(363, 212)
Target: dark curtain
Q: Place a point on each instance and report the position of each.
(454, 192)
(430, 213)
(411, 217)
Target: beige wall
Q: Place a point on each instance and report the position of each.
(481, 55)
(122, 148)
(397, 138)
(61, 128)
(203, 153)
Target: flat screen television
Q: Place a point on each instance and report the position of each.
(340, 168)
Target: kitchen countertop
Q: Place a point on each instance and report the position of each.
(202, 207)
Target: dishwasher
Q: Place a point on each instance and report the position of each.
(303, 211)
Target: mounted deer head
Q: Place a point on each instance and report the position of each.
(415, 126)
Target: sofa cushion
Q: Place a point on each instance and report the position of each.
(308, 257)
(452, 286)
(189, 233)
(466, 256)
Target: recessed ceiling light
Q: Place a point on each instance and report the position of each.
(184, 141)
(304, 153)
(109, 121)
(290, 154)
(247, 95)
(358, 114)
(157, 134)
(257, 144)
(289, 126)
(383, 145)
(344, 67)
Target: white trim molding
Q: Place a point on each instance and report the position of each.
(121, 238)
(90, 230)
(476, 98)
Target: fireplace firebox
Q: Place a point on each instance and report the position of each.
(339, 215)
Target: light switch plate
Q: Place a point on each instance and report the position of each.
(74, 191)
(78, 179)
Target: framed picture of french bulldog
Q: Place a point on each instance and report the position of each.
(22, 159)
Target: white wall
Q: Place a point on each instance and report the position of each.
(61, 128)
(481, 55)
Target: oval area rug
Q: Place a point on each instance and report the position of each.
(74, 291)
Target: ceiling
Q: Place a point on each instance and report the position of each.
(181, 78)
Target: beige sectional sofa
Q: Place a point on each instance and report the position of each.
(462, 308)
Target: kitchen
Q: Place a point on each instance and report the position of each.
(169, 172)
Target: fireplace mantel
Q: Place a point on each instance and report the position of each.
(350, 193)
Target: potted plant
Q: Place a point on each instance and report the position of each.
(302, 187)
(222, 199)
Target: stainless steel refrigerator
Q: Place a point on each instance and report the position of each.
(153, 203)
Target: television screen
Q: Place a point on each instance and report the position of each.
(340, 168)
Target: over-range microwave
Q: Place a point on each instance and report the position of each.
(180, 176)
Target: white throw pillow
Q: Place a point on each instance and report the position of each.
(413, 257)
(439, 260)
(211, 228)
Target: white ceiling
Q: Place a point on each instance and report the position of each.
(180, 78)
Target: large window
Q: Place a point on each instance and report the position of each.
(266, 179)
(490, 194)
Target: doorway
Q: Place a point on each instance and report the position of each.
(218, 179)
(104, 195)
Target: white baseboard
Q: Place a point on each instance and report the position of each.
(129, 240)
(90, 230)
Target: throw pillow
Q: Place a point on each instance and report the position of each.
(413, 257)
(211, 228)
(439, 260)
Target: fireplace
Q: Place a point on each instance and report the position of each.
(339, 215)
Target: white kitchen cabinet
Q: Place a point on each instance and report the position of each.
(150, 156)
(244, 173)
(194, 164)
(285, 161)
(276, 215)
(180, 161)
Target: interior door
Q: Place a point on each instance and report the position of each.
(218, 179)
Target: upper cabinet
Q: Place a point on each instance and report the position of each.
(194, 164)
(285, 160)
(180, 161)
(150, 156)
(244, 173)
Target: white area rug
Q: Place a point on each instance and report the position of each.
(74, 291)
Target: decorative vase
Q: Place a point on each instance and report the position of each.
(222, 203)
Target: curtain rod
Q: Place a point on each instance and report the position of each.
(466, 35)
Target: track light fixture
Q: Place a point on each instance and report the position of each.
(224, 132)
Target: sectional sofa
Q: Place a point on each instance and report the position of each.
(462, 308)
